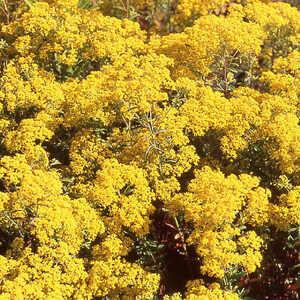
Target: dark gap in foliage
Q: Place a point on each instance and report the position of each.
(281, 269)
(177, 97)
(2, 186)
(180, 269)
(3, 150)
(208, 145)
(59, 145)
(32, 242)
(256, 160)
(86, 249)
(7, 52)
(22, 113)
(8, 188)
(161, 252)
(5, 241)
(80, 70)
(185, 180)
(170, 256)
(147, 251)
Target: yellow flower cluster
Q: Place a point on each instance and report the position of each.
(197, 47)
(214, 204)
(189, 10)
(104, 127)
(197, 290)
(115, 277)
(123, 191)
(287, 212)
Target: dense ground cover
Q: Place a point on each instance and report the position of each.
(149, 149)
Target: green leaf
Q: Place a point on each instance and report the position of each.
(293, 229)
(70, 70)
(84, 4)
(119, 7)
(69, 180)
(55, 162)
(28, 3)
(296, 266)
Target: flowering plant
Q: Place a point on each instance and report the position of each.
(149, 149)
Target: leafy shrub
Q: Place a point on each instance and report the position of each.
(149, 149)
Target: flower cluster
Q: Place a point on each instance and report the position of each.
(139, 137)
